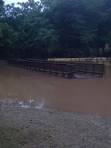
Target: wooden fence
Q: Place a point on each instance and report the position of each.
(97, 60)
(64, 69)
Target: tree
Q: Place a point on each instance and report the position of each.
(55, 28)
(1, 7)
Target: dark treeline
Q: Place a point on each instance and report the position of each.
(55, 28)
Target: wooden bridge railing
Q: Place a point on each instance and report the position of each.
(63, 68)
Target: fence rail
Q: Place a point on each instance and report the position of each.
(97, 60)
(62, 68)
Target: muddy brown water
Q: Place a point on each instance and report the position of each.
(75, 95)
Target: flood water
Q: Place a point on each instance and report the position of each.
(77, 95)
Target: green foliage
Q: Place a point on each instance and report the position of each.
(1, 6)
(60, 28)
(7, 40)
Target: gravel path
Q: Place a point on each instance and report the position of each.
(35, 128)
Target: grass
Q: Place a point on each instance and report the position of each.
(23, 138)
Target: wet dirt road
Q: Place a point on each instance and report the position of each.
(89, 96)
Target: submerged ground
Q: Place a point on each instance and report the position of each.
(42, 111)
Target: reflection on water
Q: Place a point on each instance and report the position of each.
(33, 103)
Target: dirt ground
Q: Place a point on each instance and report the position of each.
(84, 95)
(33, 128)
